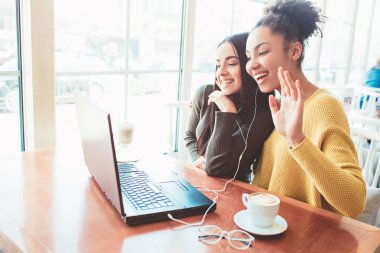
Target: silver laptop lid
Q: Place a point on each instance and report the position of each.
(98, 148)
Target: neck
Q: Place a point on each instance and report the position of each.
(307, 87)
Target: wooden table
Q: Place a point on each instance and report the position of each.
(49, 203)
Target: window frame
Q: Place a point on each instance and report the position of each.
(37, 116)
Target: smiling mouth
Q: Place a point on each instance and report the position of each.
(261, 76)
(228, 81)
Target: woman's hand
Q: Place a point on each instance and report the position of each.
(223, 102)
(288, 118)
(200, 163)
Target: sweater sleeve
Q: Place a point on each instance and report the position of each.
(226, 143)
(334, 167)
(195, 115)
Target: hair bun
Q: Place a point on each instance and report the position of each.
(302, 13)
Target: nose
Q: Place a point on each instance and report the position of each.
(251, 65)
(222, 70)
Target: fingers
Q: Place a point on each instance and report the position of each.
(200, 159)
(197, 164)
(214, 96)
(273, 104)
(300, 93)
(200, 163)
(288, 87)
(291, 85)
(281, 78)
(223, 102)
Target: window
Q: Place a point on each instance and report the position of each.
(11, 139)
(362, 34)
(374, 40)
(335, 43)
(125, 55)
(237, 16)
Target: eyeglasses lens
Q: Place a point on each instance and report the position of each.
(210, 234)
(240, 239)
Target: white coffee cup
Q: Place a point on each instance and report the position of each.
(262, 208)
(125, 133)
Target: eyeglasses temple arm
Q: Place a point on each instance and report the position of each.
(244, 241)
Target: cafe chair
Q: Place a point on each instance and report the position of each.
(363, 121)
(344, 94)
(366, 101)
(179, 112)
(367, 143)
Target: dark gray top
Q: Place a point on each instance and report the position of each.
(226, 143)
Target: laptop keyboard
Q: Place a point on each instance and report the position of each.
(135, 185)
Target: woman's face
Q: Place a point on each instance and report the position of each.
(228, 74)
(265, 52)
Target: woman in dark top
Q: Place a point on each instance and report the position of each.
(223, 114)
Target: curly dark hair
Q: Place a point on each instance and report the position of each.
(296, 20)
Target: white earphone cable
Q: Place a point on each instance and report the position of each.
(216, 192)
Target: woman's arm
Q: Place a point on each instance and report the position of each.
(195, 117)
(334, 171)
(333, 167)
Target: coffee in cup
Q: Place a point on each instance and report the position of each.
(125, 133)
(262, 208)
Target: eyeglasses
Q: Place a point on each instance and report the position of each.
(238, 239)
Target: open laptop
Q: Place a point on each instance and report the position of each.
(136, 195)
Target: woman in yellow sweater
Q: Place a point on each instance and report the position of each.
(310, 155)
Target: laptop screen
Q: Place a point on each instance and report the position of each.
(98, 148)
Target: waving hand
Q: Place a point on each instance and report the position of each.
(288, 118)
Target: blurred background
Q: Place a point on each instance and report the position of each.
(135, 57)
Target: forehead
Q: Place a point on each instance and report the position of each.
(263, 34)
(224, 50)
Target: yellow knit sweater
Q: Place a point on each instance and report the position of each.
(323, 170)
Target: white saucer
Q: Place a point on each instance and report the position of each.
(243, 221)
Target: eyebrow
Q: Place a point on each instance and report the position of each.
(229, 57)
(258, 45)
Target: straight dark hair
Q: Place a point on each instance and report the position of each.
(243, 100)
